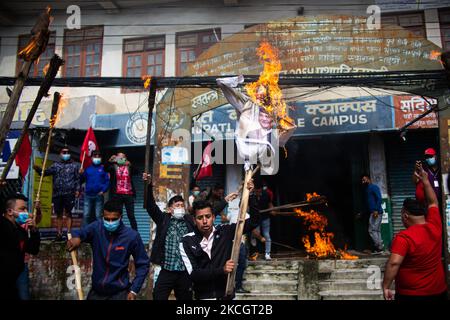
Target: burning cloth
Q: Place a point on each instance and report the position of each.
(257, 138)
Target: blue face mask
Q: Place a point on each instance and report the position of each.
(431, 161)
(96, 161)
(65, 156)
(22, 218)
(111, 226)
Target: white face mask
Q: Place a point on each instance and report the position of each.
(178, 213)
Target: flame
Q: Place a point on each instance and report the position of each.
(29, 48)
(434, 55)
(63, 103)
(323, 246)
(147, 81)
(45, 69)
(266, 92)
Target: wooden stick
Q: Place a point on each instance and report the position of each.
(13, 102)
(56, 99)
(77, 271)
(151, 106)
(55, 64)
(84, 157)
(295, 205)
(238, 233)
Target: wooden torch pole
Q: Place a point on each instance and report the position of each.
(56, 99)
(77, 271)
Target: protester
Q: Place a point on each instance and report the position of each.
(112, 245)
(263, 201)
(97, 184)
(66, 186)
(122, 187)
(373, 200)
(431, 167)
(206, 251)
(415, 262)
(171, 227)
(219, 202)
(195, 195)
(18, 236)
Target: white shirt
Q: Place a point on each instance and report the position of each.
(206, 243)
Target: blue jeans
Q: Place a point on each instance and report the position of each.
(23, 284)
(93, 208)
(265, 232)
(375, 231)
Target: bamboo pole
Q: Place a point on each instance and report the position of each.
(55, 64)
(77, 271)
(238, 233)
(56, 99)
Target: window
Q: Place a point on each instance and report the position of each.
(144, 57)
(444, 22)
(45, 57)
(83, 52)
(191, 45)
(413, 22)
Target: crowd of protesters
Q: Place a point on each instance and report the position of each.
(194, 238)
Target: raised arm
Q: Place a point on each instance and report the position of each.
(234, 97)
(152, 208)
(430, 195)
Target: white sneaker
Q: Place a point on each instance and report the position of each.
(267, 256)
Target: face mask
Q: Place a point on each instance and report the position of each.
(111, 226)
(121, 161)
(431, 161)
(264, 188)
(196, 193)
(65, 156)
(178, 213)
(22, 218)
(96, 161)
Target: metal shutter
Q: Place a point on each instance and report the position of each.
(401, 157)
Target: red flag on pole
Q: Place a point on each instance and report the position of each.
(89, 145)
(23, 156)
(206, 165)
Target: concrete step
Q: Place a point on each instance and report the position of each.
(270, 286)
(274, 275)
(273, 265)
(349, 285)
(352, 295)
(330, 265)
(341, 274)
(267, 296)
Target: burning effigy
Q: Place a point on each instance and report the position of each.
(322, 245)
(262, 123)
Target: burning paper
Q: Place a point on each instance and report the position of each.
(147, 80)
(262, 124)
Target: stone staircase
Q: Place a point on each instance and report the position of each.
(351, 279)
(270, 280)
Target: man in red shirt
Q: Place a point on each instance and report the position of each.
(415, 262)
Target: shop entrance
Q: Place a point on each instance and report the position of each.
(331, 166)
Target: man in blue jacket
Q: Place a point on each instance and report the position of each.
(112, 245)
(373, 201)
(97, 183)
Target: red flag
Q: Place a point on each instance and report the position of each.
(23, 156)
(89, 145)
(206, 167)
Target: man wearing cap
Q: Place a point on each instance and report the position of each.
(415, 262)
(430, 165)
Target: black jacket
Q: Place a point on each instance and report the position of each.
(162, 220)
(111, 168)
(207, 274)
(14, 243)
